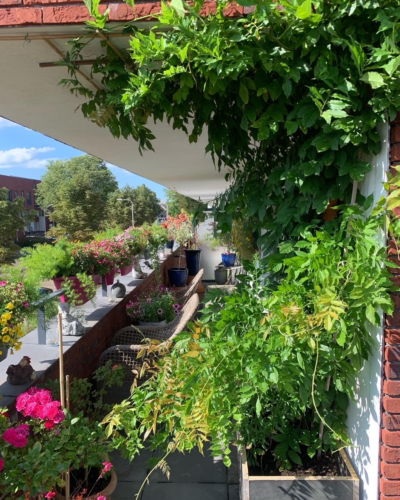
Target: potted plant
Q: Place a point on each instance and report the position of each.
(158, 306)
(229, 257)
(38, 450)
(14, 303)
(179, 229)
(221, 275)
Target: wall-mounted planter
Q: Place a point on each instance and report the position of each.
(344, 487)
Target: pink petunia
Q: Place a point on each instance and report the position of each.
(1, 464)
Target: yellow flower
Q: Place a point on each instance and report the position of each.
(5, 330)
(6, 339)
(10, 305)
(7, 316)
(3, 322)
(18, 346)
(1, 352)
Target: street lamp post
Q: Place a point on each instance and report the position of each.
(133, 213)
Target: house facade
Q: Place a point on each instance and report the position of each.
(19, 187)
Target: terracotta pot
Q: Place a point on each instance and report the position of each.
(107, 492)
(126, 270)
(110, 276)
(77, 287)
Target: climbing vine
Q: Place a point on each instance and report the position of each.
(290, 96)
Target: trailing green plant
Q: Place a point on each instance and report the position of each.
(291, 96)
(277, 360)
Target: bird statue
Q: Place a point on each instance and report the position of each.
(22, 373)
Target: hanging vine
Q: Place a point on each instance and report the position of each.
(290, 96)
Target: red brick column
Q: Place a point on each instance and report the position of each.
(390, 435)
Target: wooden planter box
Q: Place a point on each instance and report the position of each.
(345, 487)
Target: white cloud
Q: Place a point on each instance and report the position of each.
(24, 157)
(7, 123)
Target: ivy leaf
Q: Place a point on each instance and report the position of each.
(304, 10)
(373, 78)
(287, 86)
(179, 7)
(244, 93)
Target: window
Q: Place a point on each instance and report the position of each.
(9, 195)
(15, 194)
(29, 197)
(22, 194)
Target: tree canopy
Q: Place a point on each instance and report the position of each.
(178, 203)
(74, 193)
(12, 219)
(145, 203)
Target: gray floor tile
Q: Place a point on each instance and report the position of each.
(233, 492)
(134, 471)
(126, 491)
(192, 467)
(184, 491)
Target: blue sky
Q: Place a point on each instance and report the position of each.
(25, 153)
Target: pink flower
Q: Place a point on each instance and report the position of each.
(1, 464)
(101, 498)
(49, 425)
(107, 467)
(23, 429)
(60, 417)
(50, 494)
(3, 283)
(15, 438)
(22, 400)
(26, 304)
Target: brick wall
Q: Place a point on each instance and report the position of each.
(50, 12)
(81, 359)
(390, 434)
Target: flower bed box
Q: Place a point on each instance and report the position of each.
(344, 487)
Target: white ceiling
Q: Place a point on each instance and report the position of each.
(32, 96)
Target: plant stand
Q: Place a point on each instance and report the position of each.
(345, 487)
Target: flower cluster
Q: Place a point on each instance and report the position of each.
(156, 305)
(14, 304)
(179, 228)
(17, 436)
(39, 403)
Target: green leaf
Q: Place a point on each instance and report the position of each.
(304, 10)
(309, 115)
(291, 127)
(287, 86)
(179, 7)
(370, 314)
(392, 65)
(258, 407)
(373, 78)
(300, 360)
(294, 457)
(244, 93)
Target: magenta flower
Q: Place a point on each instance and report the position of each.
(1, 464)
(15, 438)
(101, 498)
(107, 466)
(3, 283)
(160, 311)
(50, 494)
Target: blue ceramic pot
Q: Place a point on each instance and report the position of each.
(228, 259)
(170, 244)
(193, 261)
(178, 276)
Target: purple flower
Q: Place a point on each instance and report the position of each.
(176, 311)
(160, 311)
(149, 300)
(3, 283)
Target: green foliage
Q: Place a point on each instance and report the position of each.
(290, 96)
(178, 203)
(76, 191)
(260, 360)
(145, 204)
(10, 223)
